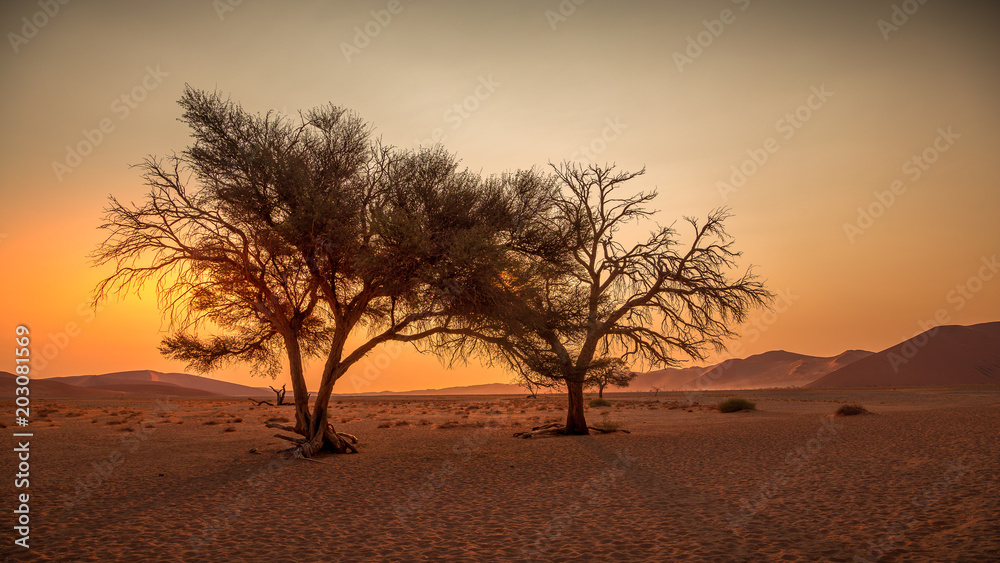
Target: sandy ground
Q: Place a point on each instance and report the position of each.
(442, 479)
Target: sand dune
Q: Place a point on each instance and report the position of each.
(47, 388)
(147, 381)
(945, 355)
(771, 369)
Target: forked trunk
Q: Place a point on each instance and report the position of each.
(576, 422)
(299, 390)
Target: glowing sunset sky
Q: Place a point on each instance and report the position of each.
(795, 114)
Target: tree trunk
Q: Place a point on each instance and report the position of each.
(299, 390)
(600, 391)
(576, 422)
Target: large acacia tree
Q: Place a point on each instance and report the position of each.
(307, 236)
(585, 302)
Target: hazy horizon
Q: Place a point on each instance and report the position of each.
(795, 115)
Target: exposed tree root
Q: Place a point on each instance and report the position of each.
(259, 403)
(557, 429)
(329, 440)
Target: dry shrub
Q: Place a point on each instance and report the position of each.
(851, 409)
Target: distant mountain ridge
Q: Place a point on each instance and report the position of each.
(122, 380)
(944, 355)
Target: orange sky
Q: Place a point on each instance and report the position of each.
(624, 82)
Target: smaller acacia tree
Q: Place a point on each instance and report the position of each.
(578, 300)
(613, 374)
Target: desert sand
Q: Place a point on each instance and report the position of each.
(443, 479)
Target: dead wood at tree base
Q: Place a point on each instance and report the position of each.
(557, 429)
(259, 403)
(329, 441)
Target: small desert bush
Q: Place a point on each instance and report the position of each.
(384, 424)
(599, 402)
(737, 404)
(210, 422)
(278, 419)
(851, 409)
(608, 425)
(230, 429)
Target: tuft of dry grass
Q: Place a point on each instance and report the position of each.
(851, 409)
(735, 404)
(212, 422)
(230, 429)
